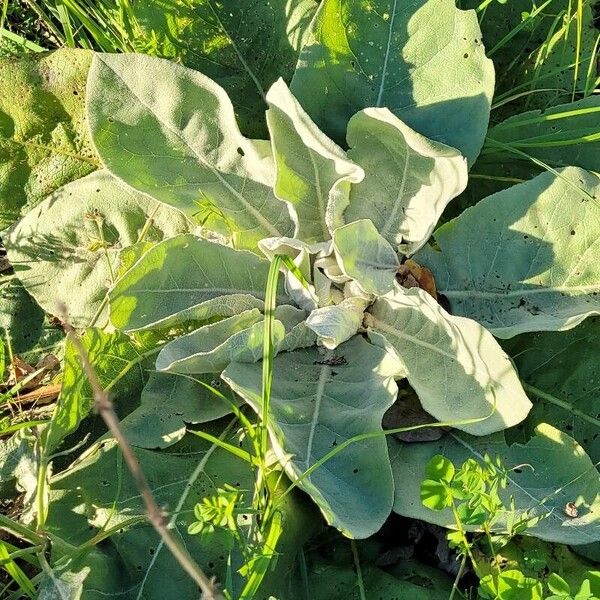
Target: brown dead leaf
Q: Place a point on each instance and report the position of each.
(411, 274)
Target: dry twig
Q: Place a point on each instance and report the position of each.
(156, 516)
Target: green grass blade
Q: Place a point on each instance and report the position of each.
(525, 23)
(13, 569)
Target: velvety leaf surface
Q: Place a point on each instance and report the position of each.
(309, 167)
(182, 146)
(338, 323)
(44, 141)
(563, 367)
(67, 248)
(243, 45)
(169, 402)
(523, 259)
(162, 284)
(211, 348)
(318, 401)
(365, 256)
(554, 470)
(408, 181)
(387, 53)
(471, 373)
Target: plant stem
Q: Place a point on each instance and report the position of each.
(155, 515)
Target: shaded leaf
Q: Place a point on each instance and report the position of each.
(565, 135)
(244, 46)
(390, 54)
(523, 259)
(563, 366)
(39, 337)
(169, 402)
(550, 470)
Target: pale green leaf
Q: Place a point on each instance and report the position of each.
(297, 332)
(338, 323)
(66, 250)
(308, 165)
(366, 256)
(44, 142)
(182, 146)
(243, 45)
(455, 365)
(389, 53)
(188, 277)
(523, 259)
(551, 470)
(318, 401)
(169, 402)
(409, 179)
(211, 348)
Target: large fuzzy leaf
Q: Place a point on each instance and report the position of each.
(102, 486)
(338, 582)
(563, 368)
(553, 470)
(523, 259)
(44, 142)
(182, 146)
(98, 493)
(409, 179)
(310, 168)
(389, 53)
(244, 45)
(168, 402)
(211, 348)
(188, 273)
(67, 248)
(319, 400)
(365, 256)
(456, 367)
